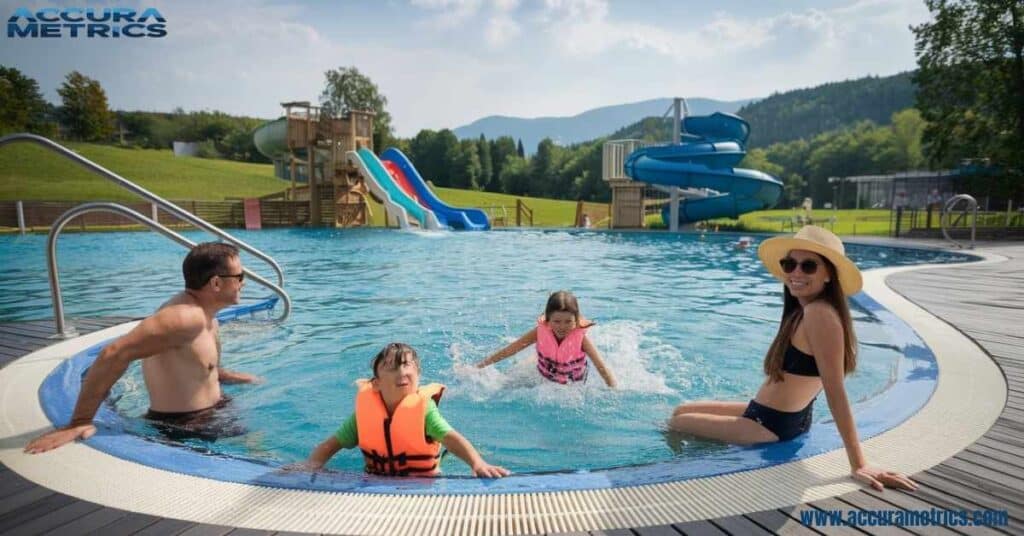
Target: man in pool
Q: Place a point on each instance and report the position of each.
(180, 350)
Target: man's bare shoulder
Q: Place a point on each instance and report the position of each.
(181, 317)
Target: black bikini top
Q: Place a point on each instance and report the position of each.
(799, 363)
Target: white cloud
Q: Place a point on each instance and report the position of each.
(453, 13)
(501, 30)
(505, 5)
(557, 57)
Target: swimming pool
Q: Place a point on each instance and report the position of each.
(679, 318)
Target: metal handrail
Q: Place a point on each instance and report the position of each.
(972, 206)
(58, 226)
(175, 210)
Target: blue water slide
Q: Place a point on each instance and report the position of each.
(457, 218)
(373, 170)
(711, 146)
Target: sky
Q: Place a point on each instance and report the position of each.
(445, 63)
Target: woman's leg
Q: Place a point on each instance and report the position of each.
(727, 428)
(713, 407)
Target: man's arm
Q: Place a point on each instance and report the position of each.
(169, 328)
(230, 376)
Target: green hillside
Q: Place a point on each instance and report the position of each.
(805, 113)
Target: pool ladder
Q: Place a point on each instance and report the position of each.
(65, 331)
(971, 207)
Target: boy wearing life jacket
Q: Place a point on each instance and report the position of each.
(562, 343)
(397, 425)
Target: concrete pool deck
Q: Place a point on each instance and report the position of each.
(971, 395)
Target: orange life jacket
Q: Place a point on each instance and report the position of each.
(397, 445)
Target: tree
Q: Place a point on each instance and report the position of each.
(22, 107)
(907, 129)
(84, 112)
(486, 164)
(515, 176)
(543, 168)
(519, 149)
(346, 90)
(466, 168)
(502, 149)
(971, 81)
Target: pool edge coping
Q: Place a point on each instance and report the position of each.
(76, 469)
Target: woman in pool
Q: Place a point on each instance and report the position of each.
(814, 349)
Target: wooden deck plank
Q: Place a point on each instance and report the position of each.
(776, 522)
(165, 527)
(836, 505)
(14, 484)
(983, 456)
(89, 522)
(34, 510)
(739, 525)
(959, 496)
(905, 500)
(206, 530)
(22, 498)
(869, 503)
(250, 532)
(660, 530)
(698, 528)
(129, 524)
(55, 518)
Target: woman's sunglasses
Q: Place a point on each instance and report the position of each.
(807, 266)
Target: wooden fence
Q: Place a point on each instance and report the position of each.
(228, 214)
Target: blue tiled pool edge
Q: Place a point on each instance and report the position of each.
(915, 381)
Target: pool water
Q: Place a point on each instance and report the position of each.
(679, 317)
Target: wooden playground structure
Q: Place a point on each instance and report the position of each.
(317, 143)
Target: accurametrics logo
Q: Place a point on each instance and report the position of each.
(88, 22)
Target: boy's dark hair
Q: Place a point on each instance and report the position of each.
(562, 301)
(205, 261)
(393, 356)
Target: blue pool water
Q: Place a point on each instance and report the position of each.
(680, 317)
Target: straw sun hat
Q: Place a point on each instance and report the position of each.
(817, 240)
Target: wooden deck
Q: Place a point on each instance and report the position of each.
(984, 302)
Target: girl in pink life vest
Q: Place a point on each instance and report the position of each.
(562, 343)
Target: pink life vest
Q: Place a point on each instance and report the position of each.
(563, 362)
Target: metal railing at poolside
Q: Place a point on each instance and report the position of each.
(158, 201)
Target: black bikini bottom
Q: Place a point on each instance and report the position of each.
(785, 424)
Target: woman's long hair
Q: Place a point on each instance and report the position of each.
(792, 313)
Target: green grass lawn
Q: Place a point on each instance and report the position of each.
(842, 222)
(31, 173)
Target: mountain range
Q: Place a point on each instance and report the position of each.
(586, 126)
(780, 117)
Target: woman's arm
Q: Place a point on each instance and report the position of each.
(461, 447)
(595, 356)
(527, 339)
(825, 334)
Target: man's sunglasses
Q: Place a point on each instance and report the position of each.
(807, 266)
(239, 276)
